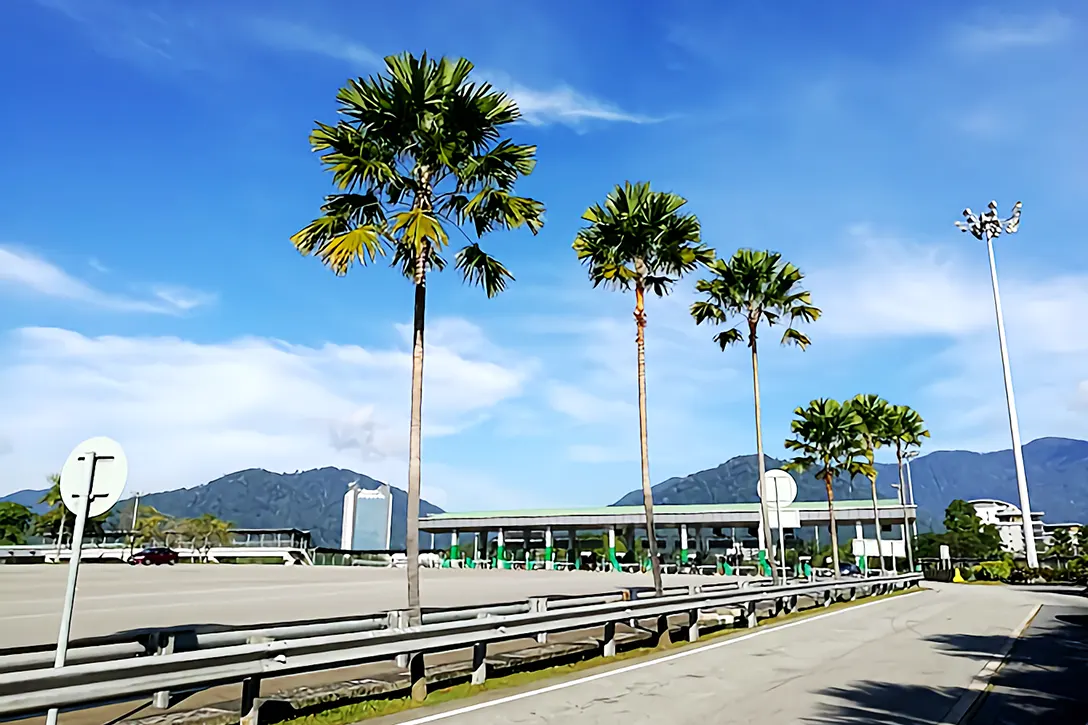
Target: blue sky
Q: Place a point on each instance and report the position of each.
(155, 162)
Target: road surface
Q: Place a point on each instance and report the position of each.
(115, 597)
(908, 659)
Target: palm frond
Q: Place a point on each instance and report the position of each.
(756, 286)
(483, 270)
(641, 234)
(418, 147)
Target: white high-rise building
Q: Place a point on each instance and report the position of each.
(1007, 518)
(367, 519)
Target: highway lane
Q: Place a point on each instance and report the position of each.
(901, 660)
(115, 597)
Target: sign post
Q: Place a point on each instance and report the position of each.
(782, 490)
(91, 481)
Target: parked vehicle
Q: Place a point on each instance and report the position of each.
(849, 569)
(156, 555)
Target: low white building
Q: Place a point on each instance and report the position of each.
(1009, 522)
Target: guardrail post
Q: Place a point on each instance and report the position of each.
(662, 635)
(853, 593)
(828, 597)
(417, 676)
(750, 619)
(398, 619)
(791, 604)
(538, 605)
(779, 605)
(164, 646)
(479, 663)
(251, 691)
(693, 625)
(609, 643)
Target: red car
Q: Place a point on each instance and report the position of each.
(157, 556)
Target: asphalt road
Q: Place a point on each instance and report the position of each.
(114, 597)
(904, 660)
(1045, 679)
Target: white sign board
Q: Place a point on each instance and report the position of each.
(868, 547)
(778, 485)
(946, 554)
(110, 474)
(790, 519)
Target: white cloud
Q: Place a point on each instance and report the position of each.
(585, 407)
(996, 34)
(189, 412)
(22, 270)
(298, 37)
(563, 104)
(940, 298)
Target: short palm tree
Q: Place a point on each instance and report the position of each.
(416, 155)
(59, 519)
(827, 435)
(875, 414)
(755, 287)
(207, 531)
(640, 239)
(905, 430)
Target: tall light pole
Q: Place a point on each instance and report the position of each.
(987, 226)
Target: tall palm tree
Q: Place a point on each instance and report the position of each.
(755, 287)
(905, 430)
(875, 414)
(417, 154)
(641, 239)
(826, 434)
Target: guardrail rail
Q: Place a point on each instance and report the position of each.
(153, 664)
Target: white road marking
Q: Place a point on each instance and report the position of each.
(644, 664)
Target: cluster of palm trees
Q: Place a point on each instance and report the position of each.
(841, 438)
(418, 156)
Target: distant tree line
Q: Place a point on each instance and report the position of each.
(18, 524)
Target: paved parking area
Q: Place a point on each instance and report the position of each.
(115, 597)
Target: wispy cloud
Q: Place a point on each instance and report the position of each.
(990, 35)
(562, 104)
(301, 38)
(23, 270)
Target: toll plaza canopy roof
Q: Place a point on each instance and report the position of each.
(808, 513)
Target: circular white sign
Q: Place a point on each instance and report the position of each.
(779, 485)
(110, 474)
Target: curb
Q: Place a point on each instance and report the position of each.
(980, 683)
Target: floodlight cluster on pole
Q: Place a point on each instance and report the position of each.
(986, 227)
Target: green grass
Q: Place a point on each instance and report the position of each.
(382, 706)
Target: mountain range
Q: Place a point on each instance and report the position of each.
(1057, 472)
(258, 499)
(1056, 468)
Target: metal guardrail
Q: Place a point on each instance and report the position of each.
(151, 641)
(80, 685)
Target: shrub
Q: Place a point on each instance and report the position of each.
(993, 570)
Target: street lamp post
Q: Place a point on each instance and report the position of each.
(907, 458)
(987, 226)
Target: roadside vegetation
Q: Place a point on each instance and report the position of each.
(19, 525)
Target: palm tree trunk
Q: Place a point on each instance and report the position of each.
(647, 493)
(876, 523)
(834, 526)
(903, 499)
(765, 518)
(411, 537)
